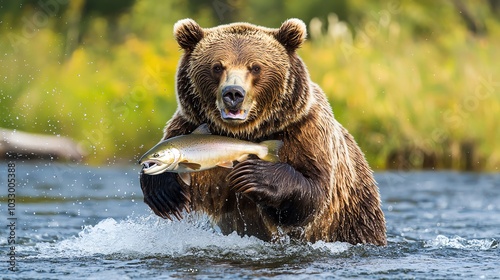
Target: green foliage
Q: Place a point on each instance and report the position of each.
(412, 80)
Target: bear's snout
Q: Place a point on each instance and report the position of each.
(233, 96)
(233, 107)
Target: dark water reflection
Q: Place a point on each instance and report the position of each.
(76, 221)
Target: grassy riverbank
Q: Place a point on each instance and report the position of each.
(412, 97)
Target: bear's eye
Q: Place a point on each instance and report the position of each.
(217, 68)
(255, 69)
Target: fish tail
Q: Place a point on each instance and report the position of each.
(273, 148)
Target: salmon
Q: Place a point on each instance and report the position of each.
(201, 150)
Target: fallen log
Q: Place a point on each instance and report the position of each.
(17, 144)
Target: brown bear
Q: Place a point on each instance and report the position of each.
(247, 82)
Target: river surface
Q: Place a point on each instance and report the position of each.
(77, 221)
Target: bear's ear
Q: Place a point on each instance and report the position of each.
(291, 34)
(188, 33)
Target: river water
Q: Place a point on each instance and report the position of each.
(76, 221)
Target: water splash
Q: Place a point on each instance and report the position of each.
(458, 242)
(149, 236)
(143, 236)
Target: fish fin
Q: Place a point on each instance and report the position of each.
(186, 178)
(202, 129)
(242, 158)
(226, 164)
(190, 165)
(273, 148)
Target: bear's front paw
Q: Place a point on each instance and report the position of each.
(283, 192)
(164, 194)
(261, 180)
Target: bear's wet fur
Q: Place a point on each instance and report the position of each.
(247, 82)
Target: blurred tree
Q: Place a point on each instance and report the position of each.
(71, 18)
(74, 15)
(265, 12)
(111, 10)
(473, 24)
(307, 10)
(495, 6)
(222, 11)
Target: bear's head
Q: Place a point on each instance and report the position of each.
(243, 80)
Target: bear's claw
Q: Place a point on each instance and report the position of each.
(254, 178)
(282, 191)
(164, 195)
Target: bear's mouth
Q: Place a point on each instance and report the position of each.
(234, 114)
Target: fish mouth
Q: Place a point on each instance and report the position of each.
(153, 167)
(234, 114)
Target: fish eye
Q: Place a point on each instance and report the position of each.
(155, 155)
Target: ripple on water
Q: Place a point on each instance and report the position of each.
(149, 236)
(440, 226)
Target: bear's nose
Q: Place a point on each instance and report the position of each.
(233, 95)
